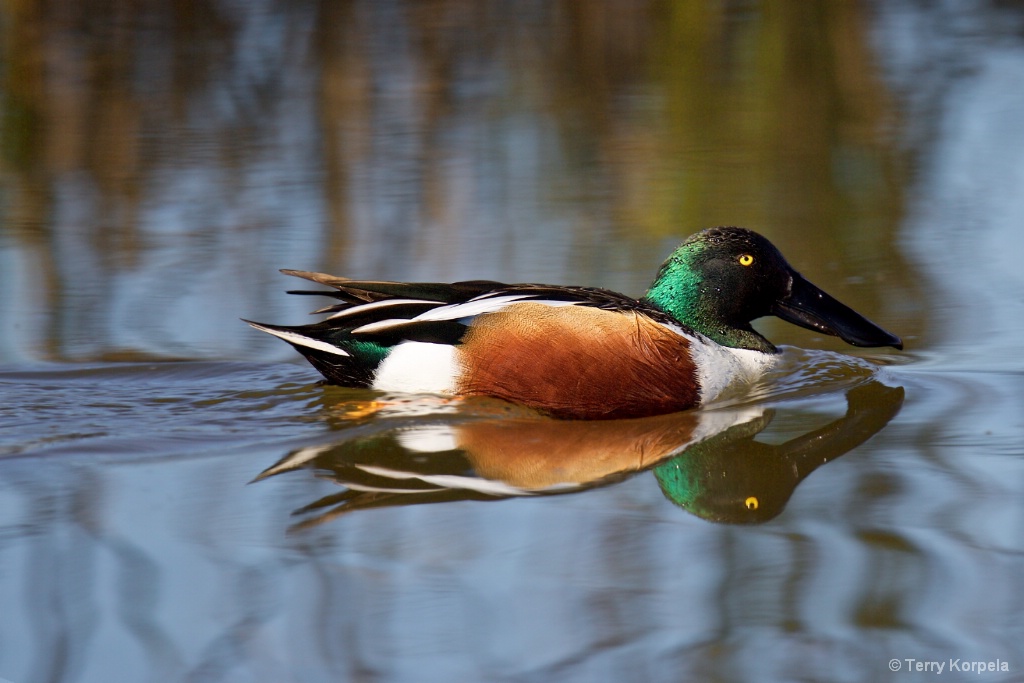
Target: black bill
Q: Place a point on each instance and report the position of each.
(808, 306)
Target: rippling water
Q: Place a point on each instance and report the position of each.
(155, 546)
(181, 500)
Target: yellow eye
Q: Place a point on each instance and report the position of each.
(746, 260)
(751, 502)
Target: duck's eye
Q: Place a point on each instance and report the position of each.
(751, 502)
(746, 259)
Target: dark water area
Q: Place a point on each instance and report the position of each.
(181, 500)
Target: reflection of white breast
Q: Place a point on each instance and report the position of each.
(714, 422)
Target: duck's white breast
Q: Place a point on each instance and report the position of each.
(719, 367)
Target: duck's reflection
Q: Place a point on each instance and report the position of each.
(706, 462)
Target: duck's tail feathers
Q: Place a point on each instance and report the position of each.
(300, 337)
(349, 365)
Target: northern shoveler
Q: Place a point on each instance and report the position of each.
(576, 352)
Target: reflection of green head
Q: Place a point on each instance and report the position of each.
(728, 478)
(733, 478)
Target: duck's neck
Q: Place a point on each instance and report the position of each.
(681, 293)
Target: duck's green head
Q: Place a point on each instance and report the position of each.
(720, 279)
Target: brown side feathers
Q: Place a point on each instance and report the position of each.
(578, 362)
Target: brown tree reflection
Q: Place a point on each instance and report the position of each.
(151, 151)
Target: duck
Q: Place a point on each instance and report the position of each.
(575, 352)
